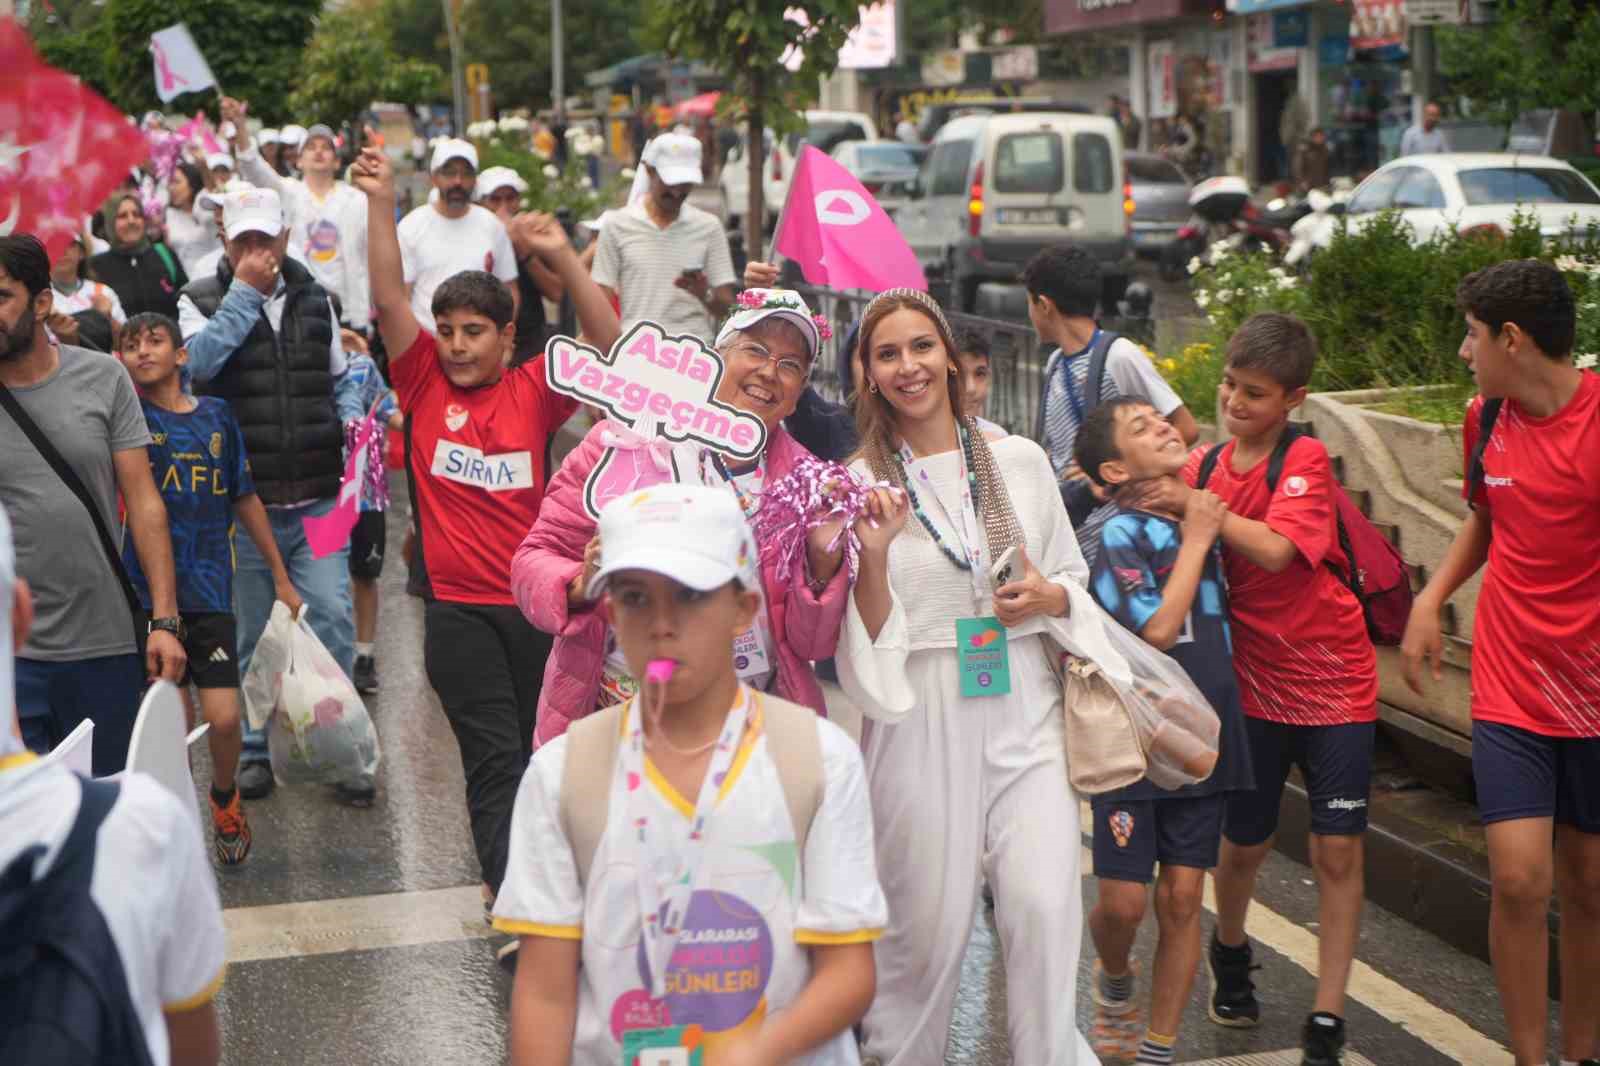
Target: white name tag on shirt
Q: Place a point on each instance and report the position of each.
(750, 655)
(493, 473)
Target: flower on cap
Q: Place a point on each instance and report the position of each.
(824, 327)
(750, 299)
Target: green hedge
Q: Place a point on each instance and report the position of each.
(1382, 308)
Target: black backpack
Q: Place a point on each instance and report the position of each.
(63, 993)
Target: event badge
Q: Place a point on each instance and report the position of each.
(750, 655)
(673, 1045)
(981, 651)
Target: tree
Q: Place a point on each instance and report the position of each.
(349, 63)
(745, 41)
(1538, 53)
(253, 48)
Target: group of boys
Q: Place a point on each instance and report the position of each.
(1229, 558)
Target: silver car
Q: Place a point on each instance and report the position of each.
(1160, 201)
(885, 168)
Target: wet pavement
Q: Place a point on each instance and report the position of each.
(356, 935)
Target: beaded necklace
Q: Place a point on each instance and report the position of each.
(748, 503)
(961, 562)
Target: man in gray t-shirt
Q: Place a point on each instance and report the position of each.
(81, 660)
(1428, 138)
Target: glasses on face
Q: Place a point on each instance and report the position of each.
(791, 371)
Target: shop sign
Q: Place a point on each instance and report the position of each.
(947, 67)
(1248, 7)
(1333, 50)
(1435, 12)
(871, 44)
(1015, 64)
(1067, 16)
(1291, 29)
(1161, 62)
(1377, 24)
(1261, 53)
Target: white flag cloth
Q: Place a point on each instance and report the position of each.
(180, 68)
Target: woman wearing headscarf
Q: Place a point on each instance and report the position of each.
(144, 273)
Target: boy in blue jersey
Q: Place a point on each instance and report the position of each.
(371, 534)
(198, 459)
(1161, 577)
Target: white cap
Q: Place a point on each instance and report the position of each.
(252, 210)
(219, 159)
(780, 303)
(293, 136)
(676, 157)
(453, 148)
(267, 136)
(496, 178)
(211, 199)
(695, 534)
(595, 225)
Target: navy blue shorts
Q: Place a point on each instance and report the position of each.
(52, 698)
(1521, 774)
(1131, 837)
(1336, 762)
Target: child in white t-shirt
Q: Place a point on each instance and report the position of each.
(762, 894)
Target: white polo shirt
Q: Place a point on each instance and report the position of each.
(641, 261)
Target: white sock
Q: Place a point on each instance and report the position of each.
(364, 650)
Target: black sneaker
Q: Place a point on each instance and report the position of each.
(1322, 1040)
(1233, 993)
(255, 780)
(365, 674)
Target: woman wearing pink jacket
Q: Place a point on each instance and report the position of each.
(767, 347)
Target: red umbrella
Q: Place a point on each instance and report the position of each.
(705, 104)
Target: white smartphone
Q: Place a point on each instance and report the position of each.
(1005, 568)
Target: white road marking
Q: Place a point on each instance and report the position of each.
(357, 923)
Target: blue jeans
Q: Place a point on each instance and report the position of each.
(52, 698)
(323, 583)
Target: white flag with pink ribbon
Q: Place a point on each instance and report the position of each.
(180, 68)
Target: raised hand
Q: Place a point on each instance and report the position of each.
(372, 172)
(887, 510)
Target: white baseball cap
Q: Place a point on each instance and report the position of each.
(252, 210)
(497, 178)
(676, 157)
(219, 159)
(293, 136)
(757, 305)
(267, 136)
(453, 148)
(211, 199)
(695, 534)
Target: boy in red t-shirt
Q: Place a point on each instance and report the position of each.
(1535, 519)
(476, 436)
(1308, 674)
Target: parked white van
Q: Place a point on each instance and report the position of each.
(996, 189)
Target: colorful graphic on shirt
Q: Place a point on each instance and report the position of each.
(717, 977)
(455, 416)
(322, 241)
(1121, 823)
(199, 464)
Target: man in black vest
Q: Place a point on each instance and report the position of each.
(263, 335)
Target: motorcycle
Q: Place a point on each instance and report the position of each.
(1216, 204)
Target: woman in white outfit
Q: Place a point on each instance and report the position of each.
(191, 233)
(963, 787)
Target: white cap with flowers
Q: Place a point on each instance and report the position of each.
(756, 305)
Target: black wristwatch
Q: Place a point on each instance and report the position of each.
(173, 625)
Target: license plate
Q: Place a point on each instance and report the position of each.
(1025, 216)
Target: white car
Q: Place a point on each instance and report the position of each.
(825, 130)
(1471, 192)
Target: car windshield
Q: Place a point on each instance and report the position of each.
(886, 156)
(1519, 185)
(827, 134)
(1149, 171)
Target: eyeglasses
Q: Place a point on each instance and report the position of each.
(792, 371)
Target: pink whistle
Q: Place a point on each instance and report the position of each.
(660, 670)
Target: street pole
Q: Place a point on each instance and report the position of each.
(558, 64)
(458, 83)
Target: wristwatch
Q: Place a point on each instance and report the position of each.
(173, 625)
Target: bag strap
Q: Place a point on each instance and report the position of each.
(1487, 415)
(74, 483)
(794, 740)
(1280, 452)
(1097, 365)
(592, 744)
(1208, 464)
(165, 255)
(76, 859)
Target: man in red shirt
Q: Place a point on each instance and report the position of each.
(1308, 675)
(476, 440)
(1535, 519)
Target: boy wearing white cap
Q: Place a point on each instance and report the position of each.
(441, 239)
(327, 218)
(663, 258)
(703, 850)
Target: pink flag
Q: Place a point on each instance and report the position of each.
(839, 235)
(328, 533)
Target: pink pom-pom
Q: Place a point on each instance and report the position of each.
(813, 494)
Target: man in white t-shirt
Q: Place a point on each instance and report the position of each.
(663, 258)
(449, 234)
(327, 218)
(151, 881)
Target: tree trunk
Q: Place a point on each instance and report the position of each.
(755, 216)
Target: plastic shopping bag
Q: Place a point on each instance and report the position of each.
(263, 682)
(319, 732)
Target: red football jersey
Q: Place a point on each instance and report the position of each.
(1300, 645)
(478, 459)
(1536, 638)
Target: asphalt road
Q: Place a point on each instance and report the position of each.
(356, 937)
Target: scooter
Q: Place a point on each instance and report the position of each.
(1217, 203)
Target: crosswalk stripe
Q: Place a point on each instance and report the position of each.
(356, 923)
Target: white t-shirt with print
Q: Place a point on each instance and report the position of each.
(434, 248)
(152, 882)
(743, 954)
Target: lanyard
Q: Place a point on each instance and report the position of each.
(749, 502)
(667, 880)
(1072, 390)
(964, 520)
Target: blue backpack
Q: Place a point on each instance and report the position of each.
(63, 994)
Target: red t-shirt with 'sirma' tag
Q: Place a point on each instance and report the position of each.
(478, 459)
(1536, 637)
(1300, 645)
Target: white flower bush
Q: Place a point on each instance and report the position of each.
(481, 131)
(513, 124)
(551, 172)
(1585, 361)
(626, 173)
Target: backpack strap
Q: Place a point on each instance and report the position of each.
(592, 744)
(1208, 464)
(1280, 452)
(165, 255)
(76, 860)
(1487, 415)
(1097, 365)
(794, 741)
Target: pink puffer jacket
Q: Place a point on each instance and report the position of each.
(804, 625)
